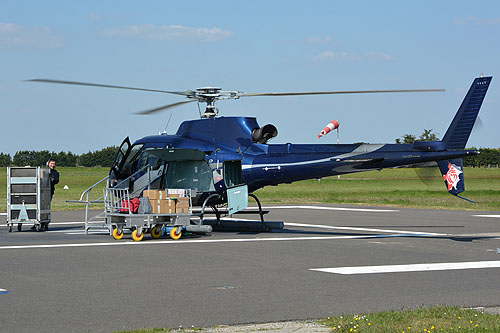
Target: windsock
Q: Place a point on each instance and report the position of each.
(334, 124)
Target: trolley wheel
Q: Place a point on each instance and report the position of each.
(19, 227)
(38, 227)
(117, 234)
(137, 237)
(156, 232)
(176, 233)
(10, 228)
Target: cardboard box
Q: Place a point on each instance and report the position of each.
(155, 194)
(156, 205)
(167, 206)
(182, 210)
(182, 203)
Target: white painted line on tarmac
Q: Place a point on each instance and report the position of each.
(362, 229)
(494, 216)
(334, 208)
(410, 267)
(200, 241)
(3, 214)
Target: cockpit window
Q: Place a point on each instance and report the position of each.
(133, 153)
(151, 159)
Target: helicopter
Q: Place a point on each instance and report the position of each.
(215, 153)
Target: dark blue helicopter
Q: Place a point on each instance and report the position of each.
(215, 153)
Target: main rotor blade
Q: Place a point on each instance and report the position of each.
(338, 92)
(106, 86)
(165, 107)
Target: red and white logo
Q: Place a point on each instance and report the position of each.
(452, 177)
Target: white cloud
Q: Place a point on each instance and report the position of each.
(347, 57)
(13, 36)
(171, 32)
(337, 56)
(318, 40)
(380, 56)
(477, 21)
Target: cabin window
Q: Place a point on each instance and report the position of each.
(189, 174)
(233, 175)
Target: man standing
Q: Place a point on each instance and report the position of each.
(54, 176)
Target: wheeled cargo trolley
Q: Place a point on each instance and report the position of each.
(28, 197)
(118, 216)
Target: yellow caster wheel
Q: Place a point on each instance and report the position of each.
(117, 234)
(175, 233)
(137, 237)
(156, 231)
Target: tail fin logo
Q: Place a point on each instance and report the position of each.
(452, 177)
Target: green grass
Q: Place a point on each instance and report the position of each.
(391, 187)
(77, 179)
(423, 319)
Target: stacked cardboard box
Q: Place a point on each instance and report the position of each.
(160, 202)
(168, 201)
(182, 206)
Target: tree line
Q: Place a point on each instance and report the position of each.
(103, 157)
(106, 156)
(487, 156)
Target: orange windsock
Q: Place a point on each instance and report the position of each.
(332, 125)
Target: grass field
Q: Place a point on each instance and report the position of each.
(422, 319)
(390, 187)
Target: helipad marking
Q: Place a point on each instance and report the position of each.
(3, 291)
(409, 268)
(334, 208)
(494, 216)
(200, 241)
(362, 229)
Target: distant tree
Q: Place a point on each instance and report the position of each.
(103, 157)
(5, 160)
(486, 157)
(427, 135)
(407, 138)
(65, 159)
(31, 157)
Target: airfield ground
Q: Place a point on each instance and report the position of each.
(322, 264)
(390, 187)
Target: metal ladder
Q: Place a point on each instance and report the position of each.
(88, 202)
(104, 225)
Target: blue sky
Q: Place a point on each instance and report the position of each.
(254, 46)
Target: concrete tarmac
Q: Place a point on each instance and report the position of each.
(64, 280)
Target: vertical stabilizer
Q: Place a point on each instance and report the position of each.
(460, 128)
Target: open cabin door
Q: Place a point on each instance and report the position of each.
(121, 157)
(237, 190)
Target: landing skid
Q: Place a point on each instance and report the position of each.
(219, 224)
